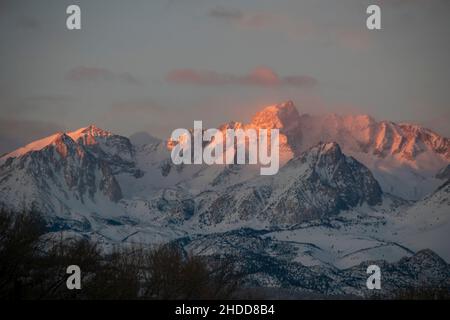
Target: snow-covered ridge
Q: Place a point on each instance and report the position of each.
(325, 208)
(319, 183)
(404, 158)
(33, 146)
(87, 134)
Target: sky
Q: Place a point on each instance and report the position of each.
(159, 65)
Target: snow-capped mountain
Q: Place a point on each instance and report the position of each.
(404, 158)
(271, 263)
(341, 198)
(320, 182)
(91, 170)
(426, 223)
(444, 173)
(67, 171)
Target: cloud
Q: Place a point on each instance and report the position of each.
(226, 14)
(255, 20)
(260, 76)
(354, 38)
(93, 74)
(50, 99)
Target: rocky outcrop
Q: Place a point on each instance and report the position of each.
(320, 182)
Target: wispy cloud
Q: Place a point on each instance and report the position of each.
(94, 74)
(50, 99)
(287, 24)
(252, 19)
(226, 13)
(260, 76)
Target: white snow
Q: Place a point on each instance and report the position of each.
(383, 232)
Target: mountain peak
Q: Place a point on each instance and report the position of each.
(63, 143)
(34, 146)
(325, 150)
(88, 134)
(283, 107)
(142, 138)
(289, 104)
(61, 137)
(91, 130)
(425, 259)
(329, 147)
(278, 116)
(324, 154)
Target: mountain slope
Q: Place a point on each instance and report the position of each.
(426, 223)
(404, 158)
(60, 175)
(98, 184)
(127, 177)
(320, 182)
(267, 262)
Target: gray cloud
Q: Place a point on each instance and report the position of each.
(252, 19)
(94, 74)
(260, 76)
(226, 13)
(50, 99)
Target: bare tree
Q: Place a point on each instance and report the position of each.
(33, 266)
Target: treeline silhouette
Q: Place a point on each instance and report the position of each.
(33, 266)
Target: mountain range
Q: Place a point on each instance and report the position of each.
(351, 190)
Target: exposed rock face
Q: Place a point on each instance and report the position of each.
(284, 117)
(361, 133)
(444, 173)
(330, 182)
(317, 219)
(318, 180)
(416, 135)
(355, 133)
(108, 183)
(321, 182)
(404, 158)
(63, 170)
(266, 262)
(439, 198)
